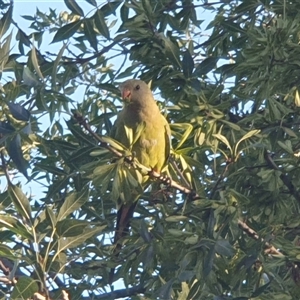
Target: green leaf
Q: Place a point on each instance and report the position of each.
(232, 27)
(29, 78)
(82, 154)
(179, 126)
(71, 227)
(24, 288)
(35, 63)
(51, 169)
(15, 226)
(287, 146)
(99, 152)
(73, 202)
(206, 65)
(6, 49)
(51, 216)
(223, 247)
(72, 242)
(79, 134)
(176, 232)
(124, 11)
(101, 24)
(172, 50)
(246, 136)
(290, 132)
(92, 2)
(66, 31)
(165, 291)
(90, 33)
(104, 170)
(224, 140)
(114, 143)
(15, 152)
(261, 290)
(175, 219)
(55, 67)
(187, 64)
(6, 21)
(74, 7)
(232, 125)
(18, 111)
(20, 201)
(110, 7)
(209, 261)
(6, 128)
(6, 252)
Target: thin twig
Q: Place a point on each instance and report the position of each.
(175, 166)
(4, 167)
(87, 59)
(129, 292)
(253, 234)
(221, 177)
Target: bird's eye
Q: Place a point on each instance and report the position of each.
(137, 87)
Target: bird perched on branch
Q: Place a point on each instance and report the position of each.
(151, 147)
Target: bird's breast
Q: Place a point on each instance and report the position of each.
(148, 143)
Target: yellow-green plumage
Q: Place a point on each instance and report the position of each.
(152, 147)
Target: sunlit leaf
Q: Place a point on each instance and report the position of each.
(35, 63)
(246, 136)
(6, 21)
(73, 202)
(51, 216)
(71, 227)
(224, 140)
(68, 243)
(14, 225)
(20, 201)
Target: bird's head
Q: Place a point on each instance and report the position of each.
(135, 91)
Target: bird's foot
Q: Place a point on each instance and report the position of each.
(166, 180)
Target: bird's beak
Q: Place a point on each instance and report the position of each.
(126, 94)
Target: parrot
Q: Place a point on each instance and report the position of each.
(151, 148)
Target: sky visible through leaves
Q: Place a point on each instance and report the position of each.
(28, 8)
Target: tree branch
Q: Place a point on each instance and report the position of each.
(285, 179)
(122, 293)
(130, 159)
(269, 249)
(87, 59)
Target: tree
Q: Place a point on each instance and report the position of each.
(228, 225)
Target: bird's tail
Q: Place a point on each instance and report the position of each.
(124, 215)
